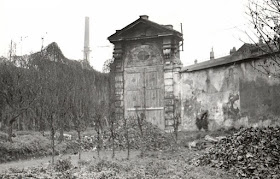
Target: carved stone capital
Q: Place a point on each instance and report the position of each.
(118, 51)
(117, 54)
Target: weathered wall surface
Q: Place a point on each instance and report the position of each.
(234, 95)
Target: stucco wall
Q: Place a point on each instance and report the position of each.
(234, 95)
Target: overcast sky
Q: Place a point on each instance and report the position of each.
(216, 23)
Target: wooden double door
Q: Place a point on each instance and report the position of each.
(144, 93)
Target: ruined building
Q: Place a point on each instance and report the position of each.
(150, 79)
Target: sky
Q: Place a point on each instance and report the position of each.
(217, 24)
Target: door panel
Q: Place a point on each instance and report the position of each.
(133, 80)
(134, 98)
(144, 92)
(154, 98)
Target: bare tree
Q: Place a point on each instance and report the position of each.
(126, 135)
(19, 89)
(113, 125)
(78, 119)
(98, 115)
(264, 16)
(140, 120)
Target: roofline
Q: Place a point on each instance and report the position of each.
(179, 35)
(230, 62)
(219, 65)
(140, 38)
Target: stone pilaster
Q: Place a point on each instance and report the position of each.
(119, 80)
(172, 66)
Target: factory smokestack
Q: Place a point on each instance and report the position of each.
(86, 42)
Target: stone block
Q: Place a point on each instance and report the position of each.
(168, 116)
(169, 109)
(168, 75)
(169, 122)
(119, 110)
(118, 85)
(118, 97)
(119, 77)
(168, 82)
(118, 65)
(168, 88)
(119, 116)
(169, 94)
(119, 103)
(168, 102)
(119, 91)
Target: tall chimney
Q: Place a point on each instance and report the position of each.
(212, 54)
(86, 41)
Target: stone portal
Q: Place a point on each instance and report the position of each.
(146, 68)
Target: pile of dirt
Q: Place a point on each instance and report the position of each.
(249, 153)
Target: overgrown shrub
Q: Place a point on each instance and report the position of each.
(104, 165)
(63, 165)
(25, 146)
(3, 136)
(67, 147)
(154, 138)
(83, 162)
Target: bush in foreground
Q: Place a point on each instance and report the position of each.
(27, 145)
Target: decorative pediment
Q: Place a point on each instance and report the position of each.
(143, 28)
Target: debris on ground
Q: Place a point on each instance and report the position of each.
(249, 153)
(205, 142)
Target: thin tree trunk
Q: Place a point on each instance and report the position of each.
(128, 146)
(61, 131)
(113, 154)
(79, 138)
(10, 131)
(19, 125)
(98, 142)
(52, 138)
(23, 124)
(113, 142)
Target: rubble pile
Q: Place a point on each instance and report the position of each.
(249, 153)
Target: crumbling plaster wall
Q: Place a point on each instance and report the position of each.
(234, 95)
